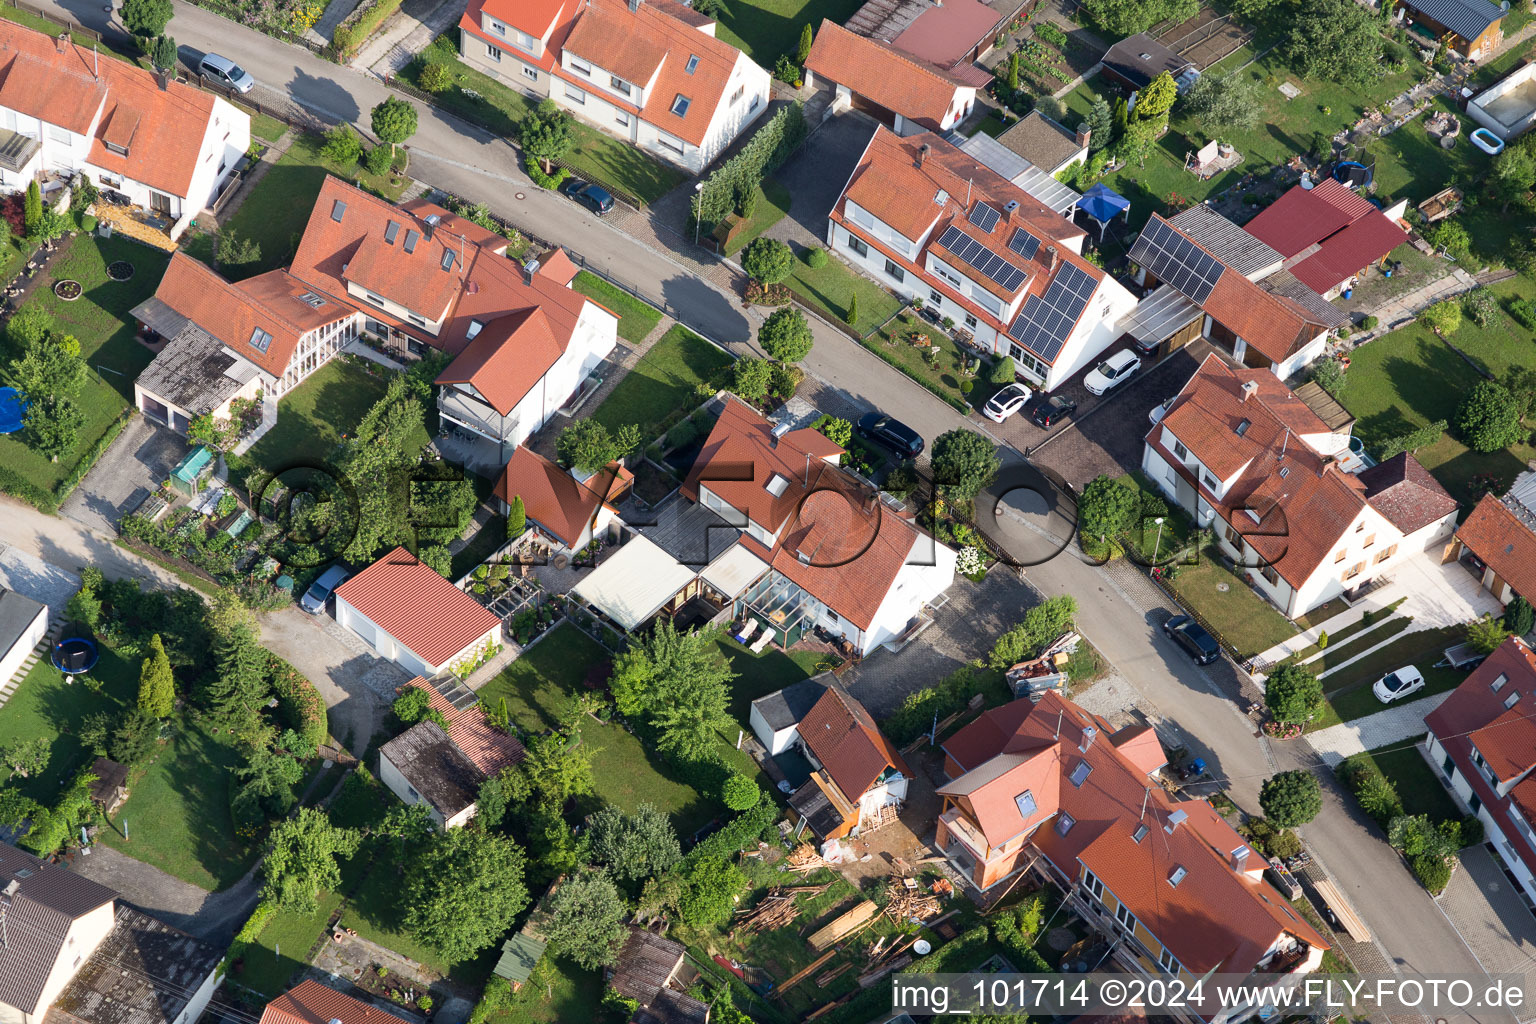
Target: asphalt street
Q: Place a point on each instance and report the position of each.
(1125, 629)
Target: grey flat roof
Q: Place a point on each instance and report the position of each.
(1140, 58)
(785, 707)
(16, 614)
(144, 972)
(195, 372)
(690, 533)
(159, 317)
(1041, 141)
(1229, 243)
(435, 767)
(1467, 18)
(1288, 286)
(1042, 186)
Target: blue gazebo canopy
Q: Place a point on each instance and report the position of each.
(1103, 204)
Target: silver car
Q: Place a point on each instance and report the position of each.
(226, 72)
(320, 591)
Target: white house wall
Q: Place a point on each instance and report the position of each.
(1503, 835)
(730, 119)
(773, 742)
(915, 585)
(397, 784)
(84, 935)
(388, 647)
(10, 662)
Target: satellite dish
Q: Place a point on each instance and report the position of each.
(922, 947)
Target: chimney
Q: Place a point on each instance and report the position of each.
(922, 153)
(1240, 859)
(1084, 133)
(529, 269)
(62, 42)
(430, 224)
(164, 78)
(1089, 735)
(1008, 208)
(778, 431)
(1250, 388)
(1175, 819)
(1052, 257)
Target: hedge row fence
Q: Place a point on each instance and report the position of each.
(727, 188)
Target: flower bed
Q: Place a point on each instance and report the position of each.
(528, 625)
(67, 290)
(121, 270)
(234, 562)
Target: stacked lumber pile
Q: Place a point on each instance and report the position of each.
(884, 959)
(905, 901)
(777, 908)
(844, 925)
(805, 859)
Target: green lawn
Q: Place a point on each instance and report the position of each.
(477, 97)
(278, 207)
(637, 318)
(758, 675)
(313, 416)
(894, 344)
(264, 127)
(557, 992)
(770, 207)
(663, 385)
(44, 705)
(830, 290)
(283, 947)
(1420, 787)
(99, 320)
(1344, 648)
(1286, 127)
(1410, 378)
(178, 812)
(1349, 689)
(764, 29)
(1243, 618)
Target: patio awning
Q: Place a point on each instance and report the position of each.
(632, 585)
(733, 572)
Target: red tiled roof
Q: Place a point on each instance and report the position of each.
(165, 128)
(947, 33)
(1216, 915)
(487, 747)
(310, 1002)
(649, 46)
(920, 194)
(1141, 747)
(853, 544)
(232, 313)
(845, 739)
(1504, 542)
(481, 284)
(1506, 737)
(1327, 233)
(557, 266)
(1403, 491)
(553, 498)
(424, 612)
(506, 359)
(879, 73)
(1303, 510)
(1273, 327)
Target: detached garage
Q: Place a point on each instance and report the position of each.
(408, 613)
(23, 624)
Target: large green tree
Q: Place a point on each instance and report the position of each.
(545, 134)
(1291, 798)
(768, 260)
(51, 375)
(464, 891)
(786, 335)
(267, 778)
(393, 121)
(634, 846)
(385, 446)
(1106, 509)
(1223, 104)
(1292, 693)
(1488, 418)
(1155, 100)
(556, 770)
(239, 686)
(157, 686)
(963, 463)
(1127, 17)
(586, 920)
(147, 18)
(28, 325)
(301, 859)
(678, 682)
(1337, 39)
(588, 446)
(1101, 125)
(1514, 173)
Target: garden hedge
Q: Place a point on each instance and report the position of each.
(359, 25)
(300, 702)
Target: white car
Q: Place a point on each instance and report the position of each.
(1397, 685)
(1156, 415)
(1112, 372)
(1006, 402)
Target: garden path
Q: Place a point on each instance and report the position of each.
(405, 35)
(1391, 725)
(335, 13)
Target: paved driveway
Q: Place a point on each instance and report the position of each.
(816, 175)
(141, 457)
(1486, 908)
(1108, 437)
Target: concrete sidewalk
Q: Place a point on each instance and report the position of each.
(405, 34)
(1392, 725)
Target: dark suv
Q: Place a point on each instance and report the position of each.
(1191, 636)
(891, 433)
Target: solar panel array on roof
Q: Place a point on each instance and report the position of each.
(1024, 243)
(983, 259)
(1045, 322)
(1177, 261)
(984, 217)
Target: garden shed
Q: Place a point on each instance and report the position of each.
(23, 624)
(190, 472)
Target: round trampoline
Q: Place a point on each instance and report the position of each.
(75, 656)
(11, 409)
